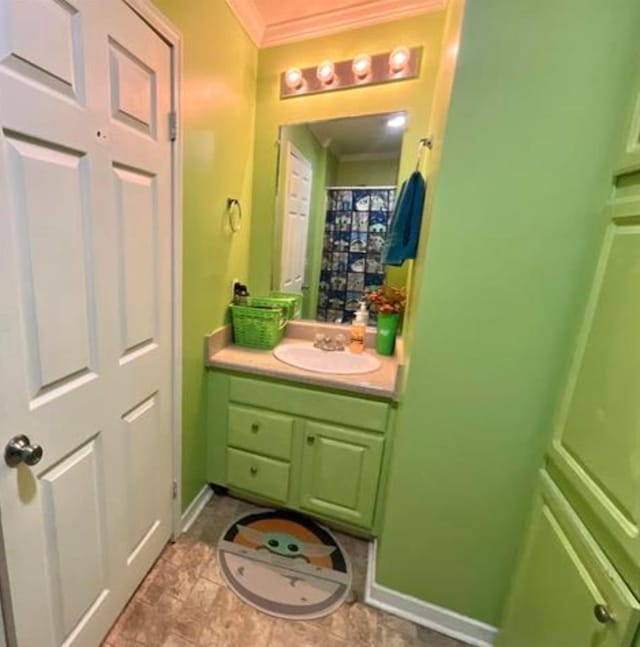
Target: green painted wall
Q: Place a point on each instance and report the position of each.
(515, 226)
(415, 96)
(323, 163)
(367, 172)
(218, 101)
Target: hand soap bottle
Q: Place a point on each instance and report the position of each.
(359, 329)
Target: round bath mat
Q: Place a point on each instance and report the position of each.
(284, 564)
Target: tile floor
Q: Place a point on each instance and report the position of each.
(183, 602)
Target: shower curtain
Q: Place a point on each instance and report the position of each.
(355, 232)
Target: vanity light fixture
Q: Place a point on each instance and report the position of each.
(358, 72)
(326, 72)
(293, 78)
(399, 59)
(361, 66)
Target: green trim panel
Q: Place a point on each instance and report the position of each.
(253, 473)
(340, 473)
(563, 575)
(260, 431)
(342, 409)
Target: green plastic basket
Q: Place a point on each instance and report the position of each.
(291, 297)
(287, 303)
(256, 327)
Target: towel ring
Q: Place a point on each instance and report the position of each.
(234, 223)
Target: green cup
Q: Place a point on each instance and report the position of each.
(387, 331)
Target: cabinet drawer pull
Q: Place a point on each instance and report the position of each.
(602, 614)
(253, 471)
(311, 439)
(255, 427)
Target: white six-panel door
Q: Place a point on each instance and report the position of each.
(85, 311)
(297, 209)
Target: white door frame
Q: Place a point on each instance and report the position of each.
(167, 30)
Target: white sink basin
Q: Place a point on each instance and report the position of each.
(339, 362)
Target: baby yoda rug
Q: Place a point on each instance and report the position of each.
(284, 564)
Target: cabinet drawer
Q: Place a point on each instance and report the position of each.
(261, 432)
(310, 403)
(253, 473)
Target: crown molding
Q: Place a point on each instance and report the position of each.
(249, 17)
(330, 22)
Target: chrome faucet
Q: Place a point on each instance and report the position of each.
(327, 343)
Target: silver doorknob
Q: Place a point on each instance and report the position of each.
(20, 450)
(602, 614)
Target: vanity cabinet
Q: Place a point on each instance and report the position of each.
(305, 448)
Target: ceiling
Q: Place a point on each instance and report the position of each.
(274, 22)
(360, 137)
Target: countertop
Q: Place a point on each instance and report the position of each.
(382, 383)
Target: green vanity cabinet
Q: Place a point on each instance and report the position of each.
(564, 584)
(310, 449)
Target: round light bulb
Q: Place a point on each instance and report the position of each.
(361, 65)
(399, 59)
(293, 78)
(397, 121)
(326, 72)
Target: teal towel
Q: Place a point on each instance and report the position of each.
(404, 229)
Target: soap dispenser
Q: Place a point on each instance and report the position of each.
(359, 329)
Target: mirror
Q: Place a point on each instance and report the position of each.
(336, 187)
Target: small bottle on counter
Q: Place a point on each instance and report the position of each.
(240, 294)
(359, 329)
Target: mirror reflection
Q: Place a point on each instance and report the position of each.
(336, 189)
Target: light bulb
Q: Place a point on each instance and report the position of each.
(397, 121)
(399, 59)
(293, 78)
(361, 65)
(326, 72)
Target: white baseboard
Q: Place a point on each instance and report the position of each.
(195, 507)
(445, 621)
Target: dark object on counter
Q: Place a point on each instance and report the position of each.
(240, 294)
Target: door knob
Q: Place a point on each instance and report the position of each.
(20, 450)
(602, 614)
(311, 440)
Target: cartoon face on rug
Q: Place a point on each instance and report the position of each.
(284, 564)
(282, 543)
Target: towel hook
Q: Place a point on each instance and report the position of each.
(234, 224)
(423, 142)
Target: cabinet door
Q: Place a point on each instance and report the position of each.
(595, 449)
(340, 472)
(563, 577)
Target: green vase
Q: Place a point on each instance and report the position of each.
(387, 331)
